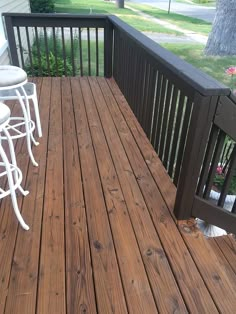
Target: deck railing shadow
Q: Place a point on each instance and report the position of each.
(187, 115)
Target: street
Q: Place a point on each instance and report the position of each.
(197, 11)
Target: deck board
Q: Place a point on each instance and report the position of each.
(103, 238)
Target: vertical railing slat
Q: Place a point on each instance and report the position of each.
(214, 163)
(156, 106)
(183, 134)
(55, 49)
(29, 47)
(229, 176)
(170, 127)
(207, 160)
(80, 53)
(20, 47)
(165, 119)
(72, 50)
(97, 52)
(46, 49)
(38, 50)
(64, 50)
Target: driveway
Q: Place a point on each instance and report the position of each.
(197, 11)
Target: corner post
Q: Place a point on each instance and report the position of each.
(200, 125)
(108, 48)
(11, 40)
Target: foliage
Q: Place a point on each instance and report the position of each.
(56, 66)
(55, 60)
(223, 167)
(201, 1)
(219, 182)
(212, 65)
(232, 72)
(59, 56)
(42, 6)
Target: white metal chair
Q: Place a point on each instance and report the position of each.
(8, 167)
(30, 89)
(13, 80)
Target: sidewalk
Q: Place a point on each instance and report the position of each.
(205, 13)
(189, 35)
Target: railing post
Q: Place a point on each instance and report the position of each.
(108, 48)
(11, 40)
(200, 125)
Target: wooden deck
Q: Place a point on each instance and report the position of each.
(102, 235)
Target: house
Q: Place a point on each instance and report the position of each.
(17, 6)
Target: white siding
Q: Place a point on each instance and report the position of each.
(4, 58)
(16, 6)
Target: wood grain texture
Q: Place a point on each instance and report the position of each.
(51, 286)
(109, 292)
(103, 238)
(171, 239)
(214, 268)
(137, 289)
(227, 245)
(79, 274)
(24, 274)
(154, 257)
(8, 222)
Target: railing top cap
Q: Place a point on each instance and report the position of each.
(195, 78)
(55, 15)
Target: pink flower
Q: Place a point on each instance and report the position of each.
(231, 71)
(219, 170)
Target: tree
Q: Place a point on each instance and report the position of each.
(222, 39)
(42, 6)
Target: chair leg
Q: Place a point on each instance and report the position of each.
(12, 189)
(13, 160)
(37, 116)
(29, 114)
(28, 137)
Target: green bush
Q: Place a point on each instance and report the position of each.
(56, 66)
(42, 6)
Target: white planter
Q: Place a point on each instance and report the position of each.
(211, 230)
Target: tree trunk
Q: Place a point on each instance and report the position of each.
(222, 39)
(120, 4)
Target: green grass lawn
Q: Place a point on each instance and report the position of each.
(214, 66)
(107, 7)
(192, 53)
(208, 3)
(185, 22)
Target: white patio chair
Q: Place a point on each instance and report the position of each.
(8, 167)
(30, 89)
(13, 80)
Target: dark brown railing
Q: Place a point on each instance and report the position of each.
(59, 44)
(178, 106)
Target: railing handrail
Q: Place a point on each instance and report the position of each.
(56, 19)
(197, 79)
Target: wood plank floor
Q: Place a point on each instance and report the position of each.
(102, 235)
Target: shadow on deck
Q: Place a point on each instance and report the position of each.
(102, 235)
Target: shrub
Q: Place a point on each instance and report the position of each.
(42, 6)
(56, 66)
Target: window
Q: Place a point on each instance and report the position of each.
(3, 41)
